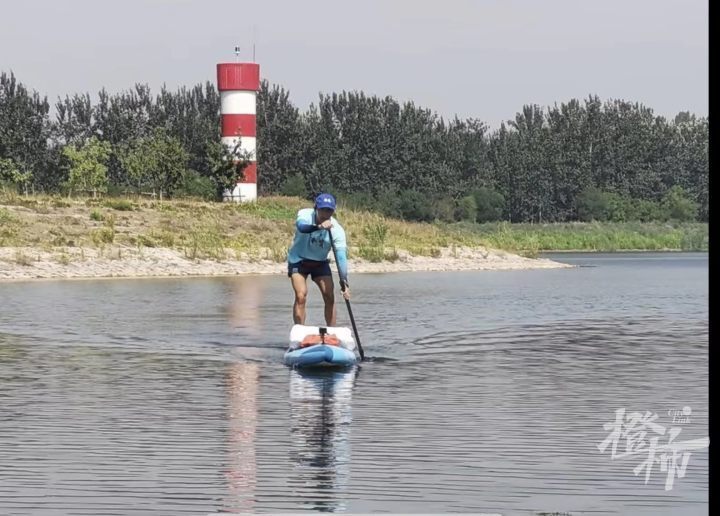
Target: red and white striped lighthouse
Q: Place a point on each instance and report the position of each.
(238, 84)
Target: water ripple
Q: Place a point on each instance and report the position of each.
(189, 410)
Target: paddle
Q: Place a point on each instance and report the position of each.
(347, 301)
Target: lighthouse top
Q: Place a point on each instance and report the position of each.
(238, 76)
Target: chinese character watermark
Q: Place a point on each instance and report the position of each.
(641, 435)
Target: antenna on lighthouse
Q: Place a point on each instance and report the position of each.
(237, 53)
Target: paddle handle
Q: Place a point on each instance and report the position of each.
(343, 285)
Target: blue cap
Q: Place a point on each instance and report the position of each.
(325, 200)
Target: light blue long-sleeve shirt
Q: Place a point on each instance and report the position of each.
(311, 243)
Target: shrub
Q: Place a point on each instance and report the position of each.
(376, 233)
(120, 204)
(592, 204)
(359, 201)
(467, 209)
(103, 236)
(195, 185)
(444, 209)
(644, 211)
(489, 205)
(678, 205)
(414, 205)
(388, 203)
(294, 186)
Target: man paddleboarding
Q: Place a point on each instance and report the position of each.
(308, 256)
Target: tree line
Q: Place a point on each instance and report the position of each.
(578, 160)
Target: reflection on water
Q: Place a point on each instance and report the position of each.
(242, 387)
(245, 306)
(320, 406)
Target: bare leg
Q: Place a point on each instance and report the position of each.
(327, 288)
(299, 284)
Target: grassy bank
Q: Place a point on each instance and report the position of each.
(594, 236)
(264, 229)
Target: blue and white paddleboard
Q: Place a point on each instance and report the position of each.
(319, 346)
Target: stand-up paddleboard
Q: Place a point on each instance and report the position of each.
(320, 346)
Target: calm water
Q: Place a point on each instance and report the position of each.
(483, 392)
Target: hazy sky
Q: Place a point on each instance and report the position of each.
(483, 59)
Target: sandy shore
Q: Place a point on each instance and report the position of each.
(17, 263)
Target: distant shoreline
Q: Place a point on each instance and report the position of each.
(617, 251)
(52, 237)
(26, 264)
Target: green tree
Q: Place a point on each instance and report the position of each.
(684, 117)
(691, 164)
(11, 173)
(534, 181)
(74, 120)
(88, 166)
(24, 128)
(352, 143)
(280, 129)
(568, 157)
(192, 116)
(225, 167)
(158, 162)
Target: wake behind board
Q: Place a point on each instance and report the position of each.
(320, 346)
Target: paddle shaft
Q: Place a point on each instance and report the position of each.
(347, 301)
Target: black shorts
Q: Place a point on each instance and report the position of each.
(314, 268)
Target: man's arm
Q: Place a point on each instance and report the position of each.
(305, 224)
(340, 243)
(342, 264)
(304, 227)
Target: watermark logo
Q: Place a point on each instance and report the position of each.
(640, 434)
(681, 416)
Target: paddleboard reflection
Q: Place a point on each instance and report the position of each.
(321, 418)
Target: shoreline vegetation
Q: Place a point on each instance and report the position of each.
(54, 237)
